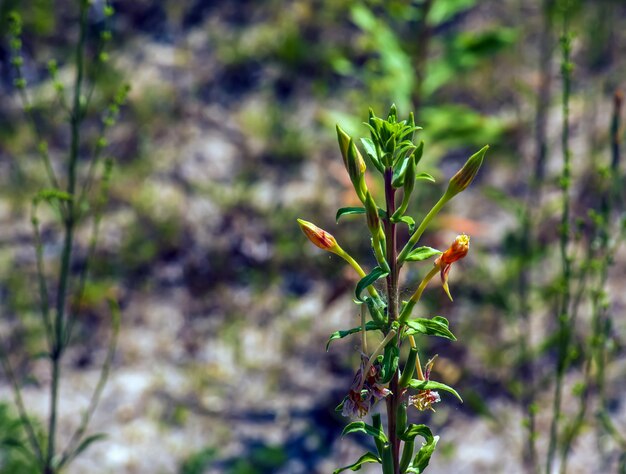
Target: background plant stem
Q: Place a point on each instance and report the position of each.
(563, 326)
(68, 222)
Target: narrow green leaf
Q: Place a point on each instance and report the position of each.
(432, 385)
(426, 177)
(408, 220)
(370, 151)
(391, 359)
(367, 280)
(366, 458)
(437, 326)
(399, 172)
(422, 458)
(369, 326)
(414, 430)
(422, 253)
(362, 427)
(346, 211)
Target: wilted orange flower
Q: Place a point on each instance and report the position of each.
(318, 237)
(457, 251)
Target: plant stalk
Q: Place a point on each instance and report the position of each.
(392, 300)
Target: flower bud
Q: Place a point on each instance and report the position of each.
(373, 221)
(353, 161)
(463, 178)
(319, 237)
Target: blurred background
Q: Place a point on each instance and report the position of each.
(228, 137)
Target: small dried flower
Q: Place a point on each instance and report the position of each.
(457, 251)
(364, 391)
(425, 399)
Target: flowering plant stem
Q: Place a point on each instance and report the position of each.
(379, 375)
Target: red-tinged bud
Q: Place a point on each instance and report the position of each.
(464, 177)
(319, 237)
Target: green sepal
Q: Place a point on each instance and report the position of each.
(362, 427)
(366, 458)
(389, 366)
(422, 458)
(437, 326)
(422, 253)
(426, 177)
(369, 326)
(432, 385)
(367, 280)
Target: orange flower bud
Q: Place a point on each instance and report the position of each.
(457, 251)
(319, 237)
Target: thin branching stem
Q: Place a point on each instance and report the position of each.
(69, 223)
(21, 408)
(563, 317)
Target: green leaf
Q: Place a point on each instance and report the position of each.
(426, 177)
(389, 367)
(369, 326)
(346, 211)
(362, 427)
(408, 220)
(370, 151)
(437, 326)
(414, 430)
(398, 173)
(49, 195)
(422, 253)
(366, 458)
(367, 280)
(432, 385)
(376, 308)
(88, 441)
(422, 458)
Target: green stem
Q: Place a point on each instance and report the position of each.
(422, 227)
(564, 329)
(354, 264)
(392, 312)
(415, 297)
(69, 223)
